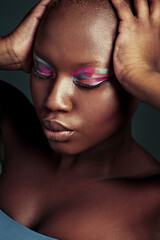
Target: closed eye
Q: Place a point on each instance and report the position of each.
(91, 77)
(41, 74)
(42, 69)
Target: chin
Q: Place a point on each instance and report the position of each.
(64, 148)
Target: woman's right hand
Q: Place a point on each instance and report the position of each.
(16, 48)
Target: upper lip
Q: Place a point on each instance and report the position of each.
(55, 126)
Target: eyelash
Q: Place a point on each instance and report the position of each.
(41, 75)
(78, 84)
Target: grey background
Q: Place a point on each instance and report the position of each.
(146, 122)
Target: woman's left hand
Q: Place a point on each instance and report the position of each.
(136, 56)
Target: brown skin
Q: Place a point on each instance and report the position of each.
(16, 48)
(68, 50)
(137, 51)
(98, 186)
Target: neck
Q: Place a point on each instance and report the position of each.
(104, 160)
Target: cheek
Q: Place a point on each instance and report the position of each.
(105, 113)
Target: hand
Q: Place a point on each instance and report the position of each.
(16, 48)
(137, 49)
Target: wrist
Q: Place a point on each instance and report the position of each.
(144, 85)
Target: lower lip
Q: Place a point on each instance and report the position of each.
(60, 136)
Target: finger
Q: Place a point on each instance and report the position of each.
(123, 9)
(31, 21)
(45, 2)
(39, 10)
(155, 9)
(142, 8)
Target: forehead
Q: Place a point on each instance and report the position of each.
(78, 31)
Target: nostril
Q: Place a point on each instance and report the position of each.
(58, 101)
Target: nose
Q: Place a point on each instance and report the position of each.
(59, 95)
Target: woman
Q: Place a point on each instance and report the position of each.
(90, 179)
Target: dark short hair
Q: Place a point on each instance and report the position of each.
(94, 3)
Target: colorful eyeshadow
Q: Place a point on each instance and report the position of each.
(91, 77)
(87, 77)
(42, 68)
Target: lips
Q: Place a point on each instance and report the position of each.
(55, 126)
(56, 132)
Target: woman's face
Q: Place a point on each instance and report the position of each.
(67, 41)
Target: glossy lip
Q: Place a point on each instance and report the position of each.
(56, 132)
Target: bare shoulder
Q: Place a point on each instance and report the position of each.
(155, 189)
(149, 176)
(142, 163)
(150, 202)
(18, 117)
(14, 104)
(23, 140)
(20, 131)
